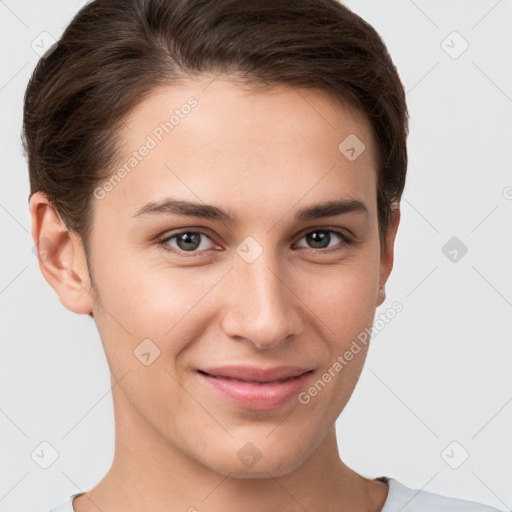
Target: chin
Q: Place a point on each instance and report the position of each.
(260, 471)
(249, 462)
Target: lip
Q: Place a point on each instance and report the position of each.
(256, 388)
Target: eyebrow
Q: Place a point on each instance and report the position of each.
(170, 206)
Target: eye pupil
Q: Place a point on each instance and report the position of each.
(188, 238)
(319, 237)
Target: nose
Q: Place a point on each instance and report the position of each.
(260, 303)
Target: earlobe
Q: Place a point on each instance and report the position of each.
(61, 256)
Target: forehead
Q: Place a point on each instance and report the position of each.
(215, 139)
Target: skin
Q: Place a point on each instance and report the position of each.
(262, 155)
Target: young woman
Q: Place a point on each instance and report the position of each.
(217, 184)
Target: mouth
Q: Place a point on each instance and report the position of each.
(258, 389)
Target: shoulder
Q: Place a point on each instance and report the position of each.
(406, 499)
(67, 504)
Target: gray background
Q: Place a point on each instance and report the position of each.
(439, 373)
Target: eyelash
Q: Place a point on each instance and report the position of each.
(347, 241)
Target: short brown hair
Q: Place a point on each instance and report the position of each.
(115, 52)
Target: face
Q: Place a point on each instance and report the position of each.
(278, 264)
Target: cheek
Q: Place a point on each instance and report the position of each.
(343, 297)
(168, 306)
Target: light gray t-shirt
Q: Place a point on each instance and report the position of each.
(400, 498)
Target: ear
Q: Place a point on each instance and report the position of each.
(61, 256)
(387, 255)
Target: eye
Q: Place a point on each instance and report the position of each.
(321, 238)
(192, 242)
(186, 242)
